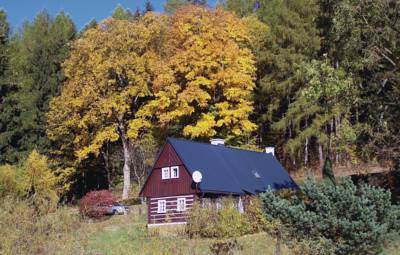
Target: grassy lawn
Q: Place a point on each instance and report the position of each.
(129, 235)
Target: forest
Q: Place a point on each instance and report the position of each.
(317, 79)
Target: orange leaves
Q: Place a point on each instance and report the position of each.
(109, 77)
(208, 74)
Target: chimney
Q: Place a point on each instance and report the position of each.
(270, 150)
(217, 141)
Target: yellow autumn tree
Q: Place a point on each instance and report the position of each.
(205, 81)
(109, 77)
(38, 183)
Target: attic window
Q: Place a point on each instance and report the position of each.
(175, 172)
(165, 173)
(256, 174)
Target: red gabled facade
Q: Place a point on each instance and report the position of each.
(168, 190)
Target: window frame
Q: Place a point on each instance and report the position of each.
(178, 208)
(159, 207)
(165, 177)
(177, 172)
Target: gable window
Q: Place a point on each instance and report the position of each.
(175, 172)
(162, 206)
(181, 204)
(165, 173)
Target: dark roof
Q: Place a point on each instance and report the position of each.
(231, 170)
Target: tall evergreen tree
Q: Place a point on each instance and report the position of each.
(365, 41)
(4, 33)
(240, 7)
(36, 55)
(91, 24)
(148, 7)
(137, 14)
(5, 88)
(122, 13)
(172, 5)
(292, 41)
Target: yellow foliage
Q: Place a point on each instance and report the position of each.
(109, 74)
(258, 31)
(39, 183)
(206, 79)
(9, 184)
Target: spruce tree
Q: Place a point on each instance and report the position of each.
(6, 89)
(137, 14)
(91, 24)
(4, 33)
(36, 55)
(122, 13)
(291, 42)
(327, 171)
(172, 5)
(148, 7)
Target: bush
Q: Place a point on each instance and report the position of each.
(94, 204)
(38, 182)
(255, 216)
(23, 231)
(222, 247)
(212, 223)
(342, 218)
(33, 181)
(9, 185)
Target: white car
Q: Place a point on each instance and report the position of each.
(117, 209)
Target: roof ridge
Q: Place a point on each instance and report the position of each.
(215, 146)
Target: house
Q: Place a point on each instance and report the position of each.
(186, 171)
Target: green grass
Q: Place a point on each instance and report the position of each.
(124, 235)
(63, 232)
(128, 235)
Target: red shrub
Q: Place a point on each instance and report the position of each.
(96, 204)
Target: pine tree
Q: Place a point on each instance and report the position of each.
(122, 13)
(333, 219)
(172, 5)
(148, 7)
(91, 24)
(364, 39)
(36, 54)
(4, 33)
(6, 89)
(327, 171)
(137, 14)
(242, 8)
(287, 46)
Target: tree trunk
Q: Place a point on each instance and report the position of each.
(337, 120)
(278, 246)
(104, 153)
(321, 155)
(127, 160)
(306, 146)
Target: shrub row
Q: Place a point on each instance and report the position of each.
(225, 222)
(324, 218)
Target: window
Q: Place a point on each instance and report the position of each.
(165, 173)
(175, 172)
(181, 204)
(162, 206)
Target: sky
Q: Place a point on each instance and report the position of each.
(81, 11)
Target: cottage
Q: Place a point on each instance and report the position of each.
(186, 171)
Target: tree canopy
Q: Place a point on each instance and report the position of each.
(204, 84)
(109, 74)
